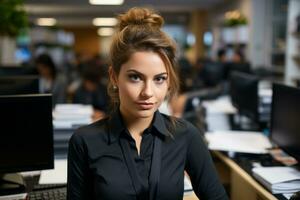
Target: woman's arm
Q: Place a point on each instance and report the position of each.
(201, 170)
(79, 185)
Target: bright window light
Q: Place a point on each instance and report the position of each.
(190, 39)
(105, 31)
(106, 2)
(46, 21)
(105, 21)
(208, 38)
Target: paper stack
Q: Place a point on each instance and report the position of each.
(278, 179)
(187, 185)
(238, 141)
(69, 115)
(58, 175)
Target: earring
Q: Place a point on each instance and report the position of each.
(115, 87)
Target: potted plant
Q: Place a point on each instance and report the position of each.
(13, 20)
(235, 27)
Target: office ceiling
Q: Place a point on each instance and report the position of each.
(81, 13)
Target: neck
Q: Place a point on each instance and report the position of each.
(135, 125)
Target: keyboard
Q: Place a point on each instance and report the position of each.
(49, 192)
(48, 186)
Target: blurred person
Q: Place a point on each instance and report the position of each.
(221, 55)
(238, 56)
(185, 72)
(91, 91)
(50, 81)
(78, 63)
(103, 65)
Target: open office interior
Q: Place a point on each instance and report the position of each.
(238, 64)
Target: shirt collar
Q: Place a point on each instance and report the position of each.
(117, 126)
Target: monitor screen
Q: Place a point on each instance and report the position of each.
(213, 73)
(244, 93)
(26, 133)
(17, 71)
(12, 85)
(230, 67)
(285, 114)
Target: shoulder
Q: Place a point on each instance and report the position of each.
(92, 133)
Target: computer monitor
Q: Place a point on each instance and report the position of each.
(244, 94)
(285, 114)
(213, 73)
(17, 71)
(12, 85)
(230, 67)
(26, 133)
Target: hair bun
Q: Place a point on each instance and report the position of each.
(140, 16)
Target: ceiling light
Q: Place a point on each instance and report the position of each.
(105, 21)
(105, 31)
(46, 21)
(106, 2)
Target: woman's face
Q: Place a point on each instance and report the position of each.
(142, 84)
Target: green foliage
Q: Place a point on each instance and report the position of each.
(235, 22)
(235, 18)
(13, 18)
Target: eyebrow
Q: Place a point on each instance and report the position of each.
(141, 74)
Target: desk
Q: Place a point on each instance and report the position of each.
(242, 185)
(191, 196)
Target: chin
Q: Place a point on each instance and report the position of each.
(145, 113)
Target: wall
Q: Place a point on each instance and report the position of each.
(292, 70)
(261, 33)
(86, 40)
(197, 25)
(258, 13)
(7, 51)
(216, 18)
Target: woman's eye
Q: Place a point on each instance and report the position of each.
(134, 77)
(160, 79)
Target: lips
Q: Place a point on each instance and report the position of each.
(145, 105)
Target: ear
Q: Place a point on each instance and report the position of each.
(112, 76)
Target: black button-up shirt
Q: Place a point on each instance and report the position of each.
(103, 162)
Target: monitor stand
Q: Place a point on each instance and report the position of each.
(11, 184)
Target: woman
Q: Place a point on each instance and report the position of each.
(138, 153)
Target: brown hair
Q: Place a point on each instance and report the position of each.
(139, 29)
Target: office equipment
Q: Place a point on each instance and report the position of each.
(238, 141)
(239, 179)
(49, 194)
(285, 114)
(21, 196)
(213, 73)
(230, 67)
(17, 71)
(11, 85)
(244, 94)
(278, 179)
(48, 186)
(26, 135)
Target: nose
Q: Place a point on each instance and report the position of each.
(147, 91)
